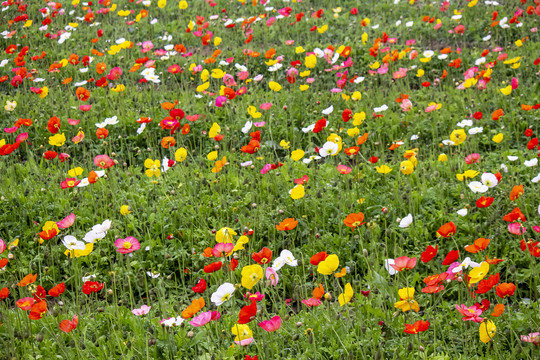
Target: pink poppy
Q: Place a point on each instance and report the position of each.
(25, 303)
(103, 161)
(532, 338)
(115, 73)
(460, 29)
(22, 137)
(2, 246)
(127, 245)
(472, 158)
(221, 100)
(403, 263)
(259, 124)
(73, 121)
(222, 249)
(257, 296)
(271, 325)
(311, 302)
(201, 319)
(67, 221)
(272, 275)
(516, 229)
(143, 310)
(266, 168)
(470, 313)
(174, 69)
(344, 169)
(11, 129)
(406, 105)
(85, 107)
(266, 106)
(63, 157)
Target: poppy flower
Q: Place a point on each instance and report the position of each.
(200, 287)
(222, 294)
(407, 301)
(451, 257)
(26, 303)
(195, 306)
(57, 290)
(53, 125)
(311, 302)
(251, 275)
(4, 293)
(417, 327)
(487, 331)
(429, 253)
(484, 202)
(247, 313)
(317, 258)
(354, 220)
(37, 310)
(103, 161)
(263, 257)
(480, 244)
(404, 263)
(515, 215)
(505, 290)
(92, 286)
(516, 192)
(447, 230)
(27, 280)
(271, 325)
(69, 325)
(328, 265)
(213, 267)
(498, 310)
(287, 224)
(127, 245)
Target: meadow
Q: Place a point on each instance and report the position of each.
(269, 179)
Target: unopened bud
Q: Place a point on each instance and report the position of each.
(190, 334)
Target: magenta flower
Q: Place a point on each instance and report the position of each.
(222, 249)
(143, 310)
(257, 296)
(2, 246)
(221, 100)
(103, 161)
(516, 229)
(67, 221)
(272, 275)
(532, 338)
(201, 319)
(470, 313)
(472, 158)
(266, 106)
(127, 245)
(271, 325)
(22, 137)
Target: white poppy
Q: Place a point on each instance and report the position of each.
(406, 221)
(222, 294)
(478, 187)
(71, 243)
(490, 180)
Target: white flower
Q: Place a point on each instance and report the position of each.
(170, 322)
(112, 120)
(462, 212)
(92, 236)
(387, 265)
(80, 83)
(164, 164)
(464, 265)
(141, 128)
(448, 142)
(89, 277)
(512, 158)
(153, 78)
(103, 227)
(328, 110)
(222, 294)
(275, 67)
(153, 275)
(489, 179)
(477, 186)
(329, 148)
(406, 221)
(71, 243)
(504, 168)
(530, 163)
(536, 179)
(240, 67)
(464, 123)
(476, 130)
(247, 127)
(381, 108)
(414, 137)
(84, 182)
(428, 53)
(409, 23)
(148, 71)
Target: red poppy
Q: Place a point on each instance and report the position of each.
(320, 125)
(247, 313)
(213, 267)
(505, 290)
(432, 289)
(233, 264)
(487, 284)
(429, 253)
(68, 325)
(484, 202)
(417, 327)
(451, 257)
(528, 133)
(92, 286)
(478, 115)
(4, 293)
(40, 293)
(318, 257)
(200, 287)
(447, 230)
(263, 257)
(484, 306)
(515, 215)
(53, 125)
(347, 115)
(3, 263)
(102, 133)
(37, 310)
(57, 290)
(49, 155)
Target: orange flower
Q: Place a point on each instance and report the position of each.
(505, 290)
(37, 310)
(497, 114)
(362, 139)
(480, 244)
(101, 67)
(207, 252)
(196, 305)
(354, 220)
(516, 192)
(27, 280)
(342, 273)
(287, 224)
(67, 80)
(447, 230)
(92, 177)
(498, 311)
(318, 292)
(167, 142)
(82, 93)
(493, 261)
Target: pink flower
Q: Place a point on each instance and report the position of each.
(2, 246)
(472, 158)
(401, 73)
(271, 325)
(69, 183)
(63, 157)
(221, 100)
(272, 275)
(11, 129)
(403, 263)
(73, 121)
(67, 221)
(470, 314)
(85, 107)
(259, 124)
(244, 342)
(289, 42)
(21, 137)
(460, 29)
(143, 310)
(147, 46)
(115, 73)
(516, 229)
(344, 169)
(201, 319)
(257, 296)
(532, 338)
(103, 161)
(127, 245)
(406, 105)
(266, 106)
(222, 249)
(515, 83)
(311, 302)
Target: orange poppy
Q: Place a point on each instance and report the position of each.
(195, 307)
(480, 244)
(287, 224)
(318, 292)
(318, 257)
(498, 310)
(342, 273)
(169, 105)
(67, 80)
(447, 230)
(27, 280)
(497, 114)
(37, 310)
(207, 252)
(354, 220)
(167, 142)
(101, 67)
(362, 139)
(92, 177)
(505, 290)
(102, 133)
(516, 192)
(82, 93)
(493, 261)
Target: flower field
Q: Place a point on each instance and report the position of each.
(269, 179)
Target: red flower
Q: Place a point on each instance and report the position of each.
(37, 310)
(40, 293)
(49, 155)
(263, 257)
(347, 115)
(200, 287)
(4, 293)
(478, 115)
(92, 286)
(429, 253)
(247, 313)
(484, 306)
(417, 327)
(451, 257)
(320, 125)
(68, 325)
(53, 125)
(233, 264)
(514, 216)
(484, 202)
(432, 289)
(528, 133)
(318, 257)
(505, 290)
(213, 267)
(447, 230)
(487, 284)
(57, 290)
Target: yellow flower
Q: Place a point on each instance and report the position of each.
(303, 87)
(357, 95)
(252, 110)
(458, 136)
(328, 265)
(44, 92)
(242, 332)
(420, 73)
(242, 240)
(506, 90)
(478, 273)
(469, 174)
(358, 118)
(217, 73)
(212, 155)
(299, 50)
(311, 61)
(498, 138)
(442, 158)
(407, 301)
(214, 130)
(274, 86)
(78, 253)
(203, 86)
(285, 144)
(322, 29)
(152, 168)
(57, 139)
(487, 331)
(225, 235)
(10, 105)
(406, 167)
(297, 192)
(180, 154)
(162, 3)
(119, 88)
(347, 295)
(124, 210)
(217, 40)
(383, 169)
(205, 75)
(353, 132)
(297, 154)
(182, 5)
(75, 172)
(251, 275)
